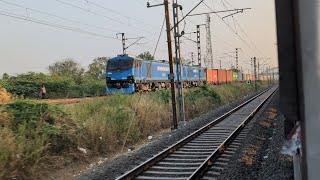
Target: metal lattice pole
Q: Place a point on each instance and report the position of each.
(177, 36)
(209, 42)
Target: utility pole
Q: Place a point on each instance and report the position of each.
(177, 35)
(220, 64)
(269, 69)
(273, 75)
(209, 42)
(171, 75)
(255, 73)
(209, 61)
(267, 72)
(199, 45)
(192, 59)
(258, 70)
(123, 40)
(251, 66)
(237, 59)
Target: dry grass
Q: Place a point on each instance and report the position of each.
(36, 142)
(109, 123)
(272, 113)
(249, 156)
(5, 97)
(266, 123)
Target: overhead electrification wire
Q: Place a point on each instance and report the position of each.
(224, 2)
(162, 27)
(46, 23)
(239, 37)
(189, 39)
(98, 5)
(98, 14)
(89, 11)
(59, 17)
(252, 42)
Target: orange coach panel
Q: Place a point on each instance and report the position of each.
(215, 76)
(222, 76)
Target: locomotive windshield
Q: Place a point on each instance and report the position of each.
(116, 65)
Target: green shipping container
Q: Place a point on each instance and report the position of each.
(234, 76)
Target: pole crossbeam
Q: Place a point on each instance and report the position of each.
(221, 11)
(124, 39)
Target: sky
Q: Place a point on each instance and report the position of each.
(37, 33)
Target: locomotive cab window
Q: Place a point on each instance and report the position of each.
(116, 65)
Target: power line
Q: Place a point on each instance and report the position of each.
(240, 27)
(155, 50)
(89, 11)
(98, 14)
(240, 38)
(59, 17)
(98, 5)
(46, 23)
(243, 31)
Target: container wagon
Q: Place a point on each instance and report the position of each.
(222, 76)
(240, 77)
(229, 76)
(212, 76)
(234, 76)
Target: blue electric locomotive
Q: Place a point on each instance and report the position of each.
(127, 75)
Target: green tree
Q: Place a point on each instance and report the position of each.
(146, 56)
(5, 76)
(97, 68)
(67, 68)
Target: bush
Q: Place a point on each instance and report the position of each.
(28, 86)
(31, 132)
(110, 122)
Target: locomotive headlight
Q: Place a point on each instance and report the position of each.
(130, 79)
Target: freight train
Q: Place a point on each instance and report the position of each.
(125, 74)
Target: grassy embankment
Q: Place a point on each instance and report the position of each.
(36, 138)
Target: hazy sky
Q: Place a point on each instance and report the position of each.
(28, 46)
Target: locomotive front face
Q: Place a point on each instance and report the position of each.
(119, 75)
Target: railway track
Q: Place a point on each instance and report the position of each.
(204, 153)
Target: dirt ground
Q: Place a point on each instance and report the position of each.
(70, 100)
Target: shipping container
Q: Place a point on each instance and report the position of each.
(253, 78)
(234, 76)
(212, 76)
(240, 76)
(222, 76)
(209, 76)
(247, 77)
(229, 76)
(215, 76)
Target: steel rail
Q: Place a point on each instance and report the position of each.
(204, 166)
(163, 154)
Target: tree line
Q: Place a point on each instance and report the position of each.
(66, 79)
